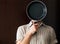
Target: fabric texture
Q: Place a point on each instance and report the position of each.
(45, 34)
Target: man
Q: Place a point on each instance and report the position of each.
(35, 33)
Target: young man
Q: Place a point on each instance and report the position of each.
(35, 33)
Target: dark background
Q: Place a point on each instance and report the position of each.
(12, 15)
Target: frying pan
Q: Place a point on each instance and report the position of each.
(36, 10)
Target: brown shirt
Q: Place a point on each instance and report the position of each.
(44, 35)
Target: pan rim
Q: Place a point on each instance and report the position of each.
(45, 9)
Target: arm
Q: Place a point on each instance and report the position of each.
(53, 36)
(26, 39)
(28, 35)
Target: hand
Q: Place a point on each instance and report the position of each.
(34, 27)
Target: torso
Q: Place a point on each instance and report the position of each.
(42, 36)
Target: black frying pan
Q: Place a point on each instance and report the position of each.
(36, 10)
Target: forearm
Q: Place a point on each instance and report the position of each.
(29, 34)
(27, 38)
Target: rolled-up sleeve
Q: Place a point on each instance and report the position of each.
(19, 34)
(53, 37)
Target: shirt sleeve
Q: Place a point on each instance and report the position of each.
(53, 36)
(19, 34)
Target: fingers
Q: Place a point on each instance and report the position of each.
(35, 24)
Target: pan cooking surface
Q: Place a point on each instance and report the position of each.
(36, 10)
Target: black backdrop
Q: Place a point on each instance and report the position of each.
(12, 15)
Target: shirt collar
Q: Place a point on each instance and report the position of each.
(30, 23)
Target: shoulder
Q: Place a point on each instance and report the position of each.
(49, 28)
(22, 28)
